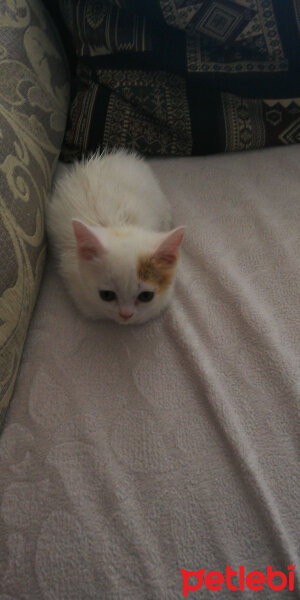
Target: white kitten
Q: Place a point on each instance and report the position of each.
(108, 221)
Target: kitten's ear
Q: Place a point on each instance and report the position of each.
(167, 251)
(88, 244)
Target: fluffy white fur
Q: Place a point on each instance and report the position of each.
(105, 213)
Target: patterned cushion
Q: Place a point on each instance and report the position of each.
(183, 77)
(33, 105)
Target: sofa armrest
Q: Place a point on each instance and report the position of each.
(34, 96)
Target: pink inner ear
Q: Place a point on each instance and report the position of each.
(88, 244)
(168, 249)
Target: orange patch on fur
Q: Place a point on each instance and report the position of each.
(157, 273)
(119, 233)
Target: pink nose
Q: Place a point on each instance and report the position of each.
(125, 315)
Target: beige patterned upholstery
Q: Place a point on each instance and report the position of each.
(34, 94)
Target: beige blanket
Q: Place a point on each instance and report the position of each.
(128, 453)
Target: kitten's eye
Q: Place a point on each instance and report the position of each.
(107, 295)
(146, 296)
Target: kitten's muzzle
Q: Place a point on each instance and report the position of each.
(125, 315)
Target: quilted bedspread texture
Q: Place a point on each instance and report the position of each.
(130, 453)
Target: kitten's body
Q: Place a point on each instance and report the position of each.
(103, 222)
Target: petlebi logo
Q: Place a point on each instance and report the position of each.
(238, 580)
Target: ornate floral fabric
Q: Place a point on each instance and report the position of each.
(181, 77)
(33, 106)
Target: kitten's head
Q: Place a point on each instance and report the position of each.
(127, 274)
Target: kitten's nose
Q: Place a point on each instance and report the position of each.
(125, 315)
